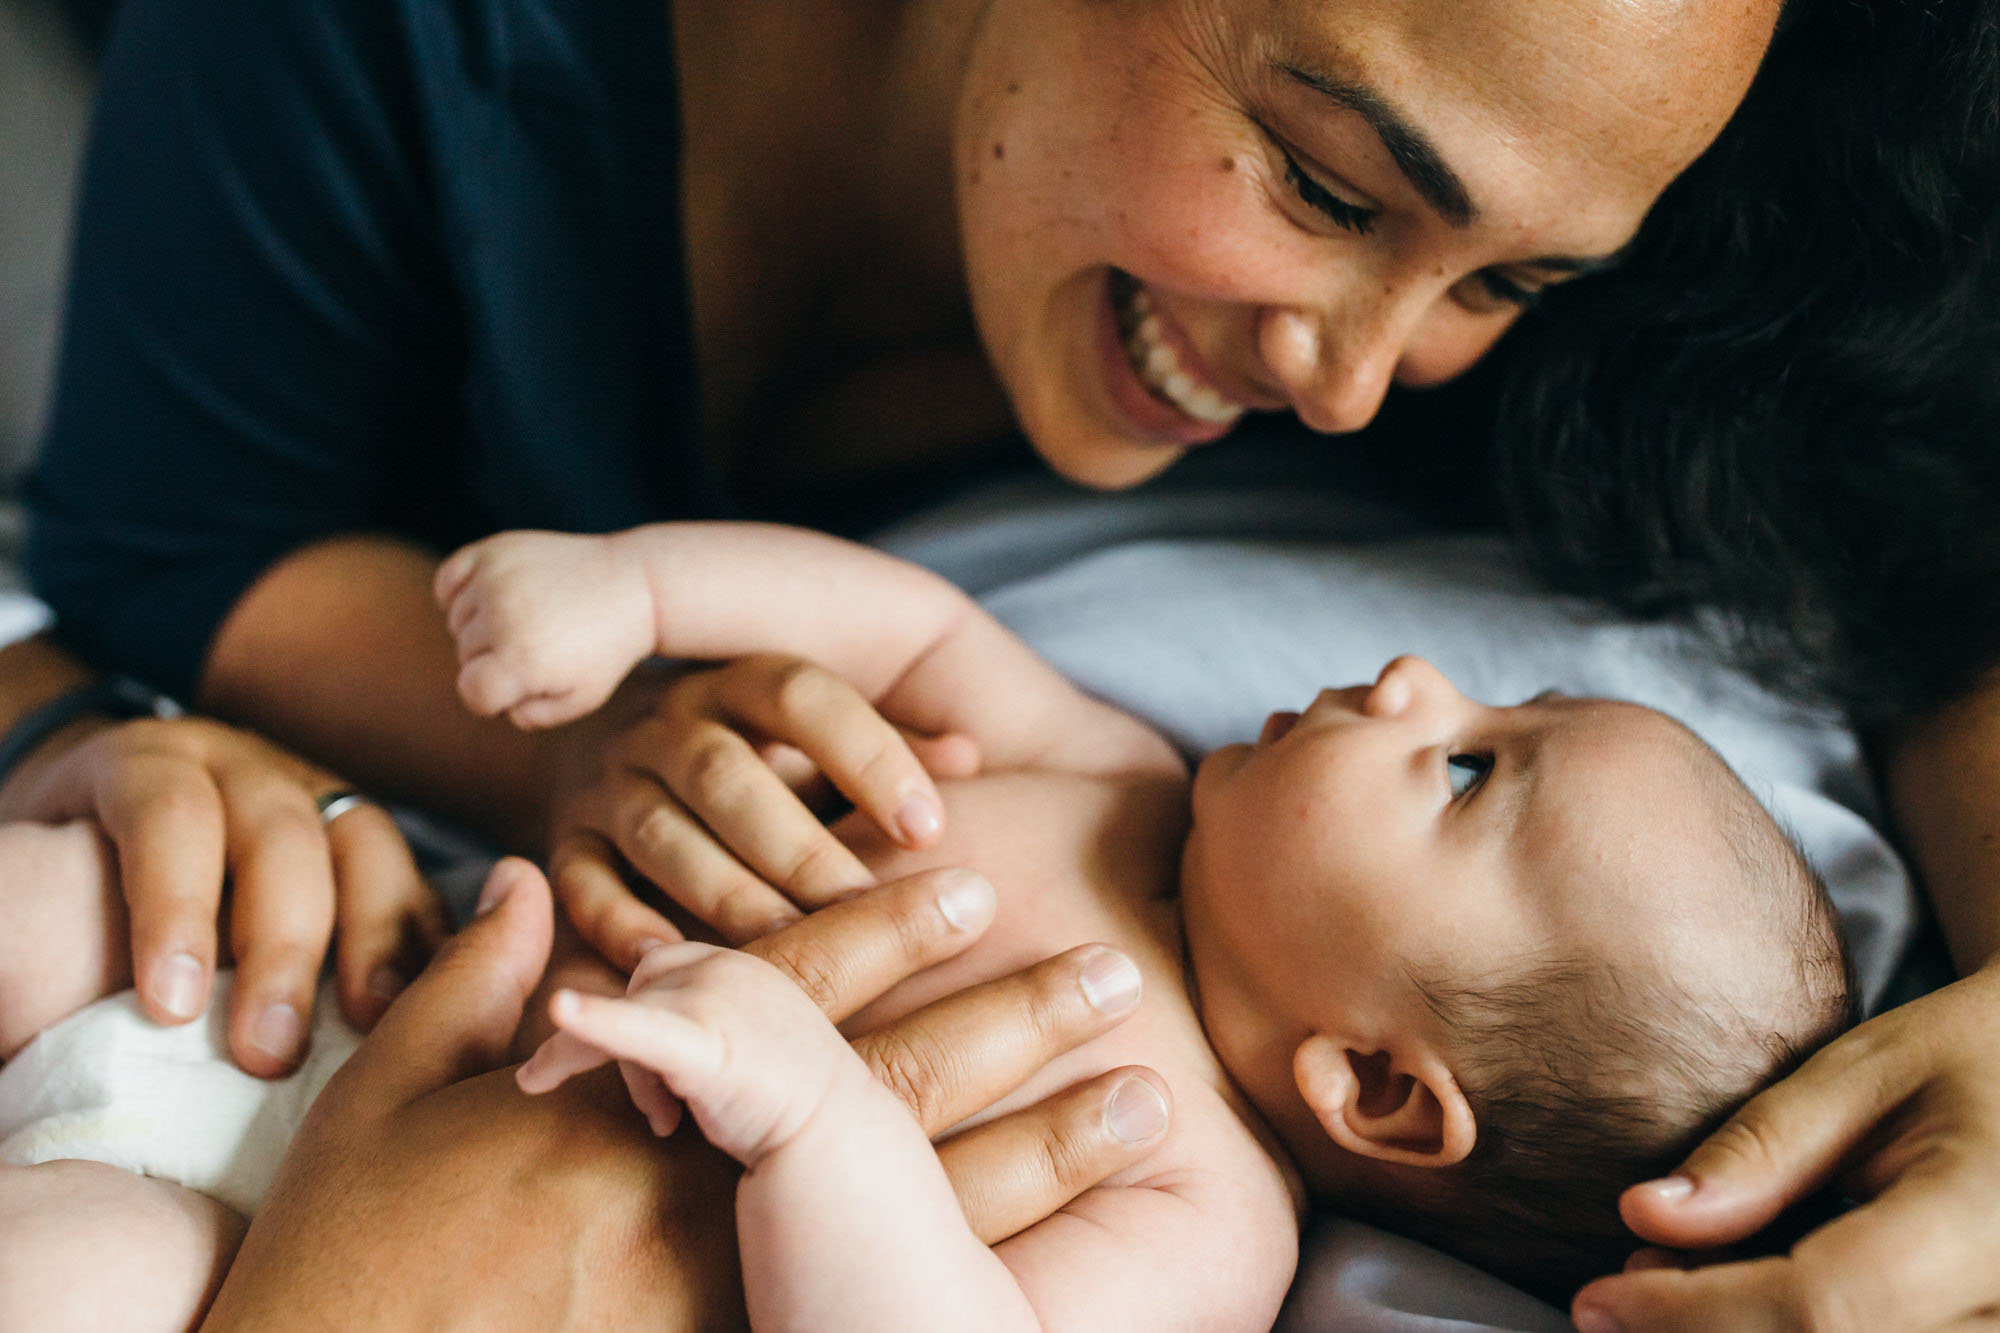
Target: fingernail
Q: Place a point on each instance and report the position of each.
(277, 1033)
(1671, 1189)
(1593, 1319)
(386, 983)
(1136, 1111)
(1110, 982)
(966, 901)
(499, 884)
(177, 985)
(920, 819)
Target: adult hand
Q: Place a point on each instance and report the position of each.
(701, 784)
(423, 1192)
(1906, 1108)
(190, 802)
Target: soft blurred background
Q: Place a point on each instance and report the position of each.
(46, 58)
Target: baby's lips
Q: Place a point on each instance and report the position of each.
(1277, 725)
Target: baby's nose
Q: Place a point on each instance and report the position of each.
(1406, 682)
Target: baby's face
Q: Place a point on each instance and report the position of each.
(1401, 830)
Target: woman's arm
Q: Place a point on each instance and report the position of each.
(339, 652)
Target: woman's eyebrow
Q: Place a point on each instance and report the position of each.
(1411, 149)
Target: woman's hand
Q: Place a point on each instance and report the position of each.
(1904, 1112)
(190, 803)
(700, 784)
(426, 1190)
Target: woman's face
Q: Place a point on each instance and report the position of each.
(1174, 211)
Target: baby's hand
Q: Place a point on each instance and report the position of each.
(547, 623)
(724, 1032)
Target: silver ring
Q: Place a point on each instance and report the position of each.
(337, 803)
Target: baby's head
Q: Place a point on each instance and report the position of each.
(1482, 968)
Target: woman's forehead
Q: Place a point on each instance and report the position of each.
(1643, 85)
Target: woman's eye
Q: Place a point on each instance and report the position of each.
(1351, 217)
(1487, 290)
(1466, 771)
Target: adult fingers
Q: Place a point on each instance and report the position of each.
(846, 955)
(737, 800)
(166, 819)
(600, 904)
(1916, 1257)
(389, 920)
(1012, 1172)
(1780, 1146)
(281, 914)
(668, 844)
(868, 760)
(957, 1056)
(458, 1017)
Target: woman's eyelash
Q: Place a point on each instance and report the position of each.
(1463, 772)
(1501, 289)
(1321, 200)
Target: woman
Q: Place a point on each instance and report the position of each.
(381, 270)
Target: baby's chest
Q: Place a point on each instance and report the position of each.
(1074, 862)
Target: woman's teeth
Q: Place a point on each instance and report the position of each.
(1154, 362)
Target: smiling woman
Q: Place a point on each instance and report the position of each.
(357, 281)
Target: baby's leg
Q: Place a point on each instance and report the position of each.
(87, 1246)
(63, 931)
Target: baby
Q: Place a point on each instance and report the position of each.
(1465, 970)
(1468, 971)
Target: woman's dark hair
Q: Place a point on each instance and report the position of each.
(1786, 402)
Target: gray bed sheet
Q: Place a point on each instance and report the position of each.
(1205, 609)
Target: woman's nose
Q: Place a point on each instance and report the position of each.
(1334, 374)
(1407, 685)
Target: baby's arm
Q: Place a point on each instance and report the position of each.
(846, 1220)
(547, 625)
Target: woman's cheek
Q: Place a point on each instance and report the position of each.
(1449, 342)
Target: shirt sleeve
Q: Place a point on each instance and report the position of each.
(259, 334)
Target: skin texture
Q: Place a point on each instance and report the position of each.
(335, 652)
(383, 1214)
(1140, 135)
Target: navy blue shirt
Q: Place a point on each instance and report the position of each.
(393, 266)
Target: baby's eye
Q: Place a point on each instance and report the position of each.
(1466, 771)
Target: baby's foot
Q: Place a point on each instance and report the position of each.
(547, 623)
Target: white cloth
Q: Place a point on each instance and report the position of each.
(110, 1085)
(20, 616)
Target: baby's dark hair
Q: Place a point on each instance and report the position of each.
(1586, 1078)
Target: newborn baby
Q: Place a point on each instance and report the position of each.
(1468, 971)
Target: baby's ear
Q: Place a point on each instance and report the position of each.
(1394, 1106)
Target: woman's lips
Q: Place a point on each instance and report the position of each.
(1150, 417)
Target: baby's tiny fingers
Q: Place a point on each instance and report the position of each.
(487, 686)
(660, 1107)
(672, 1045)
(561, 1058)
(453, 573)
